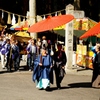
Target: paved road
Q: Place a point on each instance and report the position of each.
(19, 86)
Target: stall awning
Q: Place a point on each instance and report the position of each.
(77, 33)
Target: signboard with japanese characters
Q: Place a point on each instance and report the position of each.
(69, 38)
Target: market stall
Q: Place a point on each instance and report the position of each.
(82, 56)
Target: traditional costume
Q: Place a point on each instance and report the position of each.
(43, 75)
(59, 64)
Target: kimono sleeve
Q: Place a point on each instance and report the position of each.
(35, 69)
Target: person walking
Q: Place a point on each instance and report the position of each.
(15, 55)
(2, 52)
(94, 50)
(32, 52)
(96, 69)
(43, 73)
(8, 55)
(59, 64)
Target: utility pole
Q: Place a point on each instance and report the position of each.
(32, 12)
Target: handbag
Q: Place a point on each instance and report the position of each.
(62, 72)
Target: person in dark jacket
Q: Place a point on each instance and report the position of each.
(96, 69)
(59, 64)
(31, 54)
(8, 54)
(15, 55)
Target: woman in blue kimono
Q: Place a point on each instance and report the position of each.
(43, 73)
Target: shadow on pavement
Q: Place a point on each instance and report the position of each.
(83, 69)
(55, 88)
(78, 85)
(6, 71)
(72, 85)
(21, 68)
(3, 72)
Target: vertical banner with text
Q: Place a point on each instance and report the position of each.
(69, 38)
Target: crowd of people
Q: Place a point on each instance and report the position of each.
(9, 53)
(43, 58)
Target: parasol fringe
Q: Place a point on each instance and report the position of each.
(13, 20)
(19, 20)
(9, 19)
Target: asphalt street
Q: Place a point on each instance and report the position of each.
(76, 85)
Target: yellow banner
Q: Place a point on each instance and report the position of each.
(82, 49)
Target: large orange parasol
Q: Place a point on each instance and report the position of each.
(50, 23)
(92, 32)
